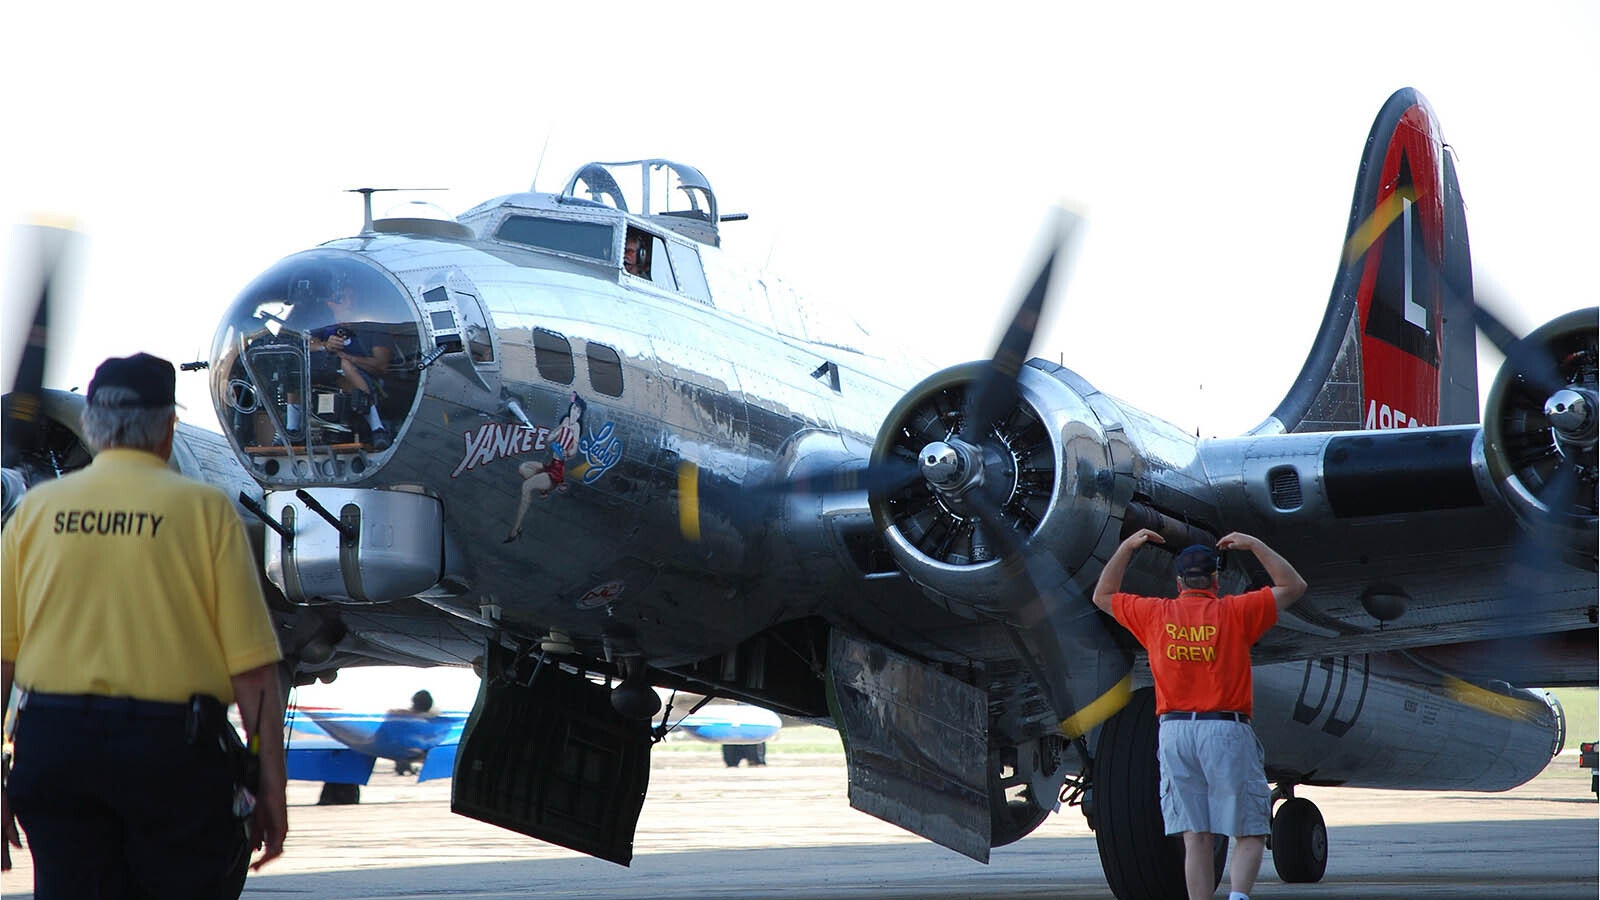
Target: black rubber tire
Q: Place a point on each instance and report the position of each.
(335, 794)
(1141, 862)
(732, 754)
(1299, 842)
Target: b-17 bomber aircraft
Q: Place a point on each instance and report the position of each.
(563, 437)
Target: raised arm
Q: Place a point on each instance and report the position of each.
(1287, 585)
(1111, 576)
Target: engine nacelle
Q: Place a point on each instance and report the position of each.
(1056, 464)
(1540, 433)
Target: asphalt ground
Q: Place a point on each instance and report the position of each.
(787, 831)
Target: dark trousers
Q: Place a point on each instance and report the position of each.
(118, 804)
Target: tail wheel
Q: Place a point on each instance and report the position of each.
(1127, 809)
(1299, 842)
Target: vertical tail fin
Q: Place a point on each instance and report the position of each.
(1397, 347)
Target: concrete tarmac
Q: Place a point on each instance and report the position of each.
(787, 831)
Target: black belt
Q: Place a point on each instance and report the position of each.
(1205, 717)
(130, 707)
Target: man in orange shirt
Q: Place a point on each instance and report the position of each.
(1212, 775)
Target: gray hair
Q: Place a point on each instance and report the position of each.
(107, 425)
(1198, 582)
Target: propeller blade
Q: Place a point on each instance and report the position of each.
(1059, 633)
(1527, 361)
(877, 479)
(739, 502)
(24, 422)
(997, 392)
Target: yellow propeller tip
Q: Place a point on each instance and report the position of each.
(689, 501)
(1104, 707)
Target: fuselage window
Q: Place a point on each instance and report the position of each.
(691, 278)
(553, 356)
(590, 239)
(605, 370)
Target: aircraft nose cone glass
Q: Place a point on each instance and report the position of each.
(313, 369)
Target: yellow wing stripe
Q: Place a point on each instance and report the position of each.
(1104, 707)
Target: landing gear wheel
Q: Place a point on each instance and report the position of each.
(334, 794)
(1127, 809)
(1012, 813)
(1299, 842)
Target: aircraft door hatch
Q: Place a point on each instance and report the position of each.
(922, 766)
(548, 756)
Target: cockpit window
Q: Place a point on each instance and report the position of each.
(314, 369)
(644, 255)
(590, 239)
(691, 278)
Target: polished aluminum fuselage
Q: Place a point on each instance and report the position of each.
(625, 558)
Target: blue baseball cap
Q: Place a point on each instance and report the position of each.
(1196, 559)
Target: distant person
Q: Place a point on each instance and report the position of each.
(422, 706)
(1212, 775)
(132, 617)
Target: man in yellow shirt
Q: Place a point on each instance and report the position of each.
(132, 616)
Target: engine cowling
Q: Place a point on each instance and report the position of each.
(1059, 480)
(1540, 433)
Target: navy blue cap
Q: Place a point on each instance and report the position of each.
(1196, 559)
(151, 379)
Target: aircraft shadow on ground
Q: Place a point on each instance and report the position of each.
(1554, 858)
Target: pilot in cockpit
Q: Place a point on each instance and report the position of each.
(636, 254)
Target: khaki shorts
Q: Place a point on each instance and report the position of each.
(1213, 780)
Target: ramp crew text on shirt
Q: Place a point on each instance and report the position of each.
(108, 521)
(1202, 646)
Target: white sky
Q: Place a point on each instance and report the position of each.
(381, 688)
(897, 160)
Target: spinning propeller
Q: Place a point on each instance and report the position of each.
(984, 488)
(1541, 430)
(970, 465)
(34, 445)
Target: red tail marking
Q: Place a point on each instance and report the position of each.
(1400, 295)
